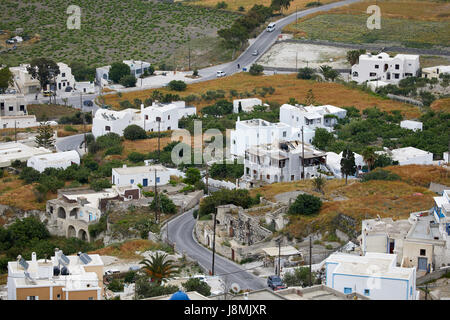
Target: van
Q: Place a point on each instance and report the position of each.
(271, 27)
(220, 74)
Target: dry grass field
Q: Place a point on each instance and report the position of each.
(51, 111)
(127, 250)
(395, 199)
(286, 86)
(14, 193)
(441, 105)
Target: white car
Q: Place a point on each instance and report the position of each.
(221, 74)
(271, 27)
(200, 276)
(255, 52)
(112, 271)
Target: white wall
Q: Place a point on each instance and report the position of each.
(246, 104)
(134, 179)
(18, 121)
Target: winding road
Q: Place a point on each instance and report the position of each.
(181, 233)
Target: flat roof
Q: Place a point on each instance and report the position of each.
(387, 225)
(140, 169)
(423, 230)
(284, 251)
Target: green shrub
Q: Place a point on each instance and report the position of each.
(128, 81)
(256, 69)
(70, 129)
(165, 204)
(195, 284)
(305, 204)
(109, 140)
(114, 150)
(177, 85)
(221, 5)
(136, 157)
(116, 285)
(380, 174)
(134, 132)
(100, 184)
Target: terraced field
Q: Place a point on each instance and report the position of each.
(113, 30)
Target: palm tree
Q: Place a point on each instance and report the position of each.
(369, 157)
(325, 70)
(158, 267)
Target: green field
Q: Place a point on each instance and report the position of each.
(351, 28)
(114, 30)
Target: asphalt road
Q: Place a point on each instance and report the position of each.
(69, 143)
(180, 232)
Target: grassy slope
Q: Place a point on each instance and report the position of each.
(112, 30)
(51, 111)
(441, 105)
(286, 86)
(364, 200)
(412, 22)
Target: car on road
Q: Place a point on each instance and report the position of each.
(221, 74)
(275, 283)
(68, 89)
(271, 27)
(47, 93)
(112, 271)
(202, 277)
(88, 103)
(255, 52)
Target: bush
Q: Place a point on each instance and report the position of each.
(195, 284)
(109, 140)
(130, 277)
(256, 69)
(114, 150)
(305, 204)
(305, 73)
(29, 175)
(177, 85)
(192, 176)
(100, 184)
(116, 285)
(221, 5)
(134, 132)
(380, 174)
(128, 81)
(165, 204)
(136, 157)
(118, 70)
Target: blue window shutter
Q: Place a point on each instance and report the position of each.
(347, 290)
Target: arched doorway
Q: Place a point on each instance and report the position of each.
(74, 213)
(71, 233)
(82, 235)
(61, 213)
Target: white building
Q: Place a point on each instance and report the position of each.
(246, 105)
(435, 72)
(156, 117)
(384, 68)
(334, 163)
(445, 157)
(85, 86)
(282, 162)
(409, 155)
(254, 132)
(411, 125)
(374, 275)
(59, 160)
(23, 81)
(11, 122)
(143, 175)
(13, 105)
(64, 79)
(311, 116)
(11, 151)
(137, 68)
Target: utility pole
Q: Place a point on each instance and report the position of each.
(142, 74)
(207, 176)
(214, 241)
(310, 262)
(303, 156)
(15, 130)
(84, 126)
(279, 257)
(156, 200)
(189, 54)
(296, 56)
(159, 136)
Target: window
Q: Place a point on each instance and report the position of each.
(423, 252)
(168, 117)
(377, 66)
(372, 74)
(63, 74)
(11, 108)
(158, 119)
(366, 292)
(234, 141)
(107, 128)
(91, 298)
(284, 134)
(397, 67)
(396, 75)
(157, 179)
(347, 290)
(131, 181)
(58, 297)
(32, 298)
(22, 107)
(146, 117)
(410, 291)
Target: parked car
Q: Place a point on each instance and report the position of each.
(275, 283)
(221, 74)
(88, 103)
(47, 93)
(255, 52)
(134, 268)
(201, 277)
(271, 27)
(112, 271)
(68, 89)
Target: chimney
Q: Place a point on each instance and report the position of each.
(142, 107)
(33, 257)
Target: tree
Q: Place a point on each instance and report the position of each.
(319, 183)
(44, 137)
(100, 184)
(279, 5)
(348, 166)
(192, 176)
(134, 132)
(118, 70)
(151, 70)
(128, 81)
(256, 69)
(44, 70)
(322, 139)
(305, 73)
(369, 157)
(177, 85)
(195, 284)
(310, 99)
(82, 72)
(164, 203)
(353, 56)
(6, 79)
(298, 278)
(147, 289)
(305, 204)
(234, 37)
(158, 267)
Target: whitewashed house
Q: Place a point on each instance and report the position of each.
(143, 175)
(64, 79)
(23, 81)
(13, 105)
(383, 67)
(445, 157)
(334, 163)
(409, 155)
(246, 105)
(158, 116)
(137, 68)
(435, 72)
(11, 122)
(254, 132)
(311, 116)
(85, 86)
(374, 275)
(11, 151)
(282, 162)
(59, 160)
(411, 125)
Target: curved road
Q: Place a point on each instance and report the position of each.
(180, 232)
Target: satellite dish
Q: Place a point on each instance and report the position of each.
(235, 288)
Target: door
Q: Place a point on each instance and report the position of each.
(422, 264)
(145, 182)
